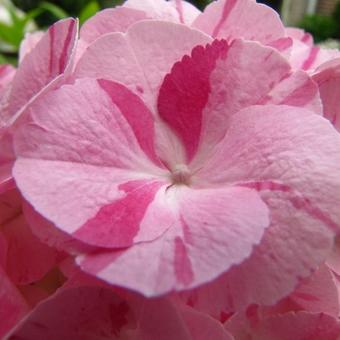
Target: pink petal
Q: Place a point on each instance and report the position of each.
(300, 34)
(98, 313)
(175, 10)
(110, 20)
(319, 293)
(186, 91)
(232, 19)
(278, 143)
(49, 59)
(126, 57)
(28, 260)
(333, 262)
(310, 57)
(187, 13)
(10, 205)
(133, 218)
(50, 235)
(7, 73)
(276, 148)
(7, 158)
(203, 327)
(12, 305)
(204, 90)
(328, 80)
(110, 173)
(78, 313)
(297, 326)
(215, 230)
(164, 319)
(29, 43)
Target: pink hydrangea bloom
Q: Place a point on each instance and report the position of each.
(164, 186)
(187, 155)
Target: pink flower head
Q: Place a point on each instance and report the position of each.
(177, 179)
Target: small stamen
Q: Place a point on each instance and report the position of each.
(180, 174)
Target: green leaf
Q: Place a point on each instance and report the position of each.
(89, 10)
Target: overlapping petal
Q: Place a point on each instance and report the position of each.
(204, 90)
(12, 305)
(328, 80)
(299, 326)
(98, 146)
(97, 312)
(231, 19)
(126, 57)
(108, 21)
(50, 58)
(178, 11)
(7, 73)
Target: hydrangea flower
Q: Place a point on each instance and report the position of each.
(168, 150)
(179, 189)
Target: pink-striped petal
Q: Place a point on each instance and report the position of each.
(275, 155)
(300, 34)
(126, 57)
(278, 143)
(50, 58)
(50, 235)
(102, 144)
(310, 57)
(214, 231)
(232, 19)
(204, 90)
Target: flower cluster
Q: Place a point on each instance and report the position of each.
(167, 173)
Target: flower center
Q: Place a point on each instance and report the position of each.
(180, 174)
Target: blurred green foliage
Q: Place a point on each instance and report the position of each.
(336, 17)
(320, 26)
(323, 27)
